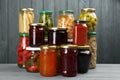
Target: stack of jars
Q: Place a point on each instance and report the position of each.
(65, 49)
(89, 15)
(26, 16)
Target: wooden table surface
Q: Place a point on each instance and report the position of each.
(102, 72)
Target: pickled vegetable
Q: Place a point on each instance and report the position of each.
(46, 18)
(89, 15)
(23, 43)
(32, 59)
(66, 19)
(26, 17)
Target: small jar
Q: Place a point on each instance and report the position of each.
(68, 66)
(48, 60)
(36, 34)
(46, 18)
(84, 57)
(89, 15)
(32, 59)
(66, 19)
(93, 48)
(57, 36)
(26, 17)
(23, 43)
(80, 33)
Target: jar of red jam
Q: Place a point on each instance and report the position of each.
(68, 66)
(84, 57)
(23, 43)
(36, 32)
(48, 60)
(57, 36)
(32, 59)
(80, 33)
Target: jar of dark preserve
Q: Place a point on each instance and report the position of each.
(68, 66)
(57, 36)
(36, 33)
(83, 58)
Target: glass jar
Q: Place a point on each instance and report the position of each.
(80, 33)
(93, 48)
(57, 36)
(26, 17)
(68, 66)
(66, 19)
(84, 57)
(32, 59)
(36, 34)
(23, 43)
(48, 60)
(46, 18)
(89, 15)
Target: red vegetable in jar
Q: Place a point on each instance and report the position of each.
(31, 59)
(80, 33)
(23, 43)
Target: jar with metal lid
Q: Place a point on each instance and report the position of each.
(36, 34)
(83, 58)
(23, 43)
(68, 66)
(57, 36)
(89, 15)
(93, 48)
(66, 19)
(46, 18)
(26, 17)
(32, 59)
(48, 60)
(80, 33)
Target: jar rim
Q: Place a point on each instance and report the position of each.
(37, 24)
(88, 9)
(66, 11)
(23, 34)
(91, 33)
(68, 46)
(57, 28)
(33, 48)
(84, 47)
(45, 47)
(45, 12)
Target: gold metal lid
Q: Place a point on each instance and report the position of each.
(30, 9)
(68, 46)
(44, 47)
(84, 47)
(37, 24)
(88, 9)
(23, 9)
(57, 28)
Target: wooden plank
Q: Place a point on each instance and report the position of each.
(98, 6)
(74, 5)
(25, 3)
(49, 5)
(13, 21)
(59, 4)
(3, 31)
(37, 5)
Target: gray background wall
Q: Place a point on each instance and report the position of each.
(108, 28)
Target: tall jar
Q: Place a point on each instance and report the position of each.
(68, 66)
(26, 17)
(36, 32)
(84, 57)
(80, 33)
(89, 15)
(57, 36)
(48, 60)
(23, 43)
(46, 18)
(93, 48)
(66, 19)
(32, 59)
